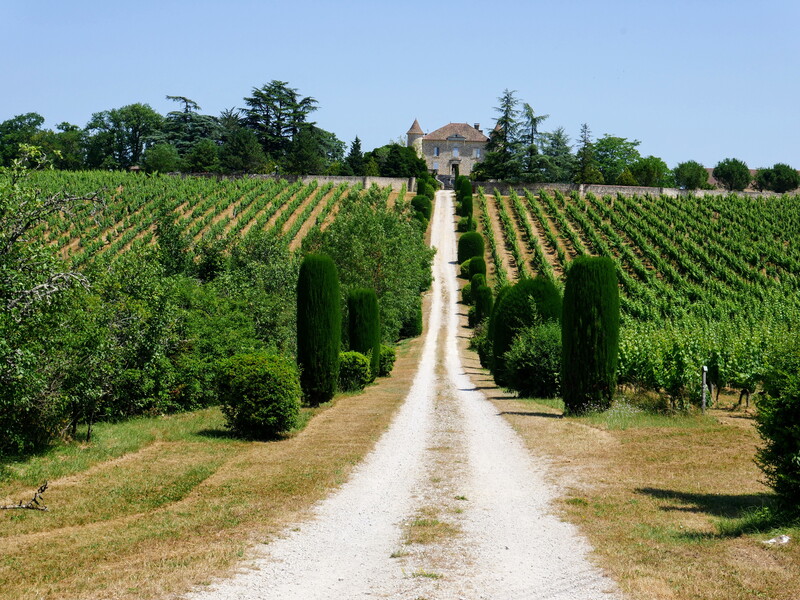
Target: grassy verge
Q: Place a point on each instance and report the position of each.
(154, 506)
(673, 505)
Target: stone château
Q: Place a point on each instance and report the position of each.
(454, 149)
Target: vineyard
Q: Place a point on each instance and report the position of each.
(202, 208)
(703, 281)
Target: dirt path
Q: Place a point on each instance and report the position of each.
(448, 505)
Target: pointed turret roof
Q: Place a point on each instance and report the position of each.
(416, 129)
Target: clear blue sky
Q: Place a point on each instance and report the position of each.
(702, 79)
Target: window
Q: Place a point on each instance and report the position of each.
(455, 152)
(436, 150)
(477, 152)
(436, 166)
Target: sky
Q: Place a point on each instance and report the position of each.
(692, 80)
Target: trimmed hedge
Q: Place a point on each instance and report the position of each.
(484, 300)
(477, 265)
(527, 303)
(470, 244)
(364, 322)
(259, 394)
(354, 371)
(422, 205)
(466, 294)
(319, 327)
(590, 334)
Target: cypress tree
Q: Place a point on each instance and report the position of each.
(528, 302)
(319, 328)
(365, 326)
(590, 334)
(470, 244)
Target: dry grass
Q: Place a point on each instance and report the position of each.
(428, 528)
(180, 502)
(662, 499)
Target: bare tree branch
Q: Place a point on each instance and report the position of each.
(32, 504)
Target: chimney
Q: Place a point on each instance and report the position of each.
(478, 127)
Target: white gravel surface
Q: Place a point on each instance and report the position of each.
(447, 456)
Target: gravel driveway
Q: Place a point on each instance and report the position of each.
(448, 505)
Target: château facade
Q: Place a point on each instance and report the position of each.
(454, 149)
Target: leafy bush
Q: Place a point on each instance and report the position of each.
(732, 173)
(480, 342)
(422, 204)
(477, 280)
(463, 269)
(425, 189)
(413, 326)
(590, 334)
(470, 244)
(533, 363)
(319, 323)
(388, 356)
(365, 325)
(354, 371)
(527, 303)
(260, 394)
(466, 224)
(777, 421)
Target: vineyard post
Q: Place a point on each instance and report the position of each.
(705, 384)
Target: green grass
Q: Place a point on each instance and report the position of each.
(625, 415)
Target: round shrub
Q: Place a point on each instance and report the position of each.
(477, 265)
(365, 325)
(527, 303)
(590, 334)
(388, 356)
(491, 325)
(466, 294)
(259, 394)
(463, 269)
(776, 421)
(466, 207)
(422, 204)
(533, 363)
(354, 371)
(470, 244)
(319, 327)
(463, 188)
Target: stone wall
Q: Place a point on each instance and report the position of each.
(394, 182)
(606, 190)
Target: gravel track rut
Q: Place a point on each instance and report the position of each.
(448, 457)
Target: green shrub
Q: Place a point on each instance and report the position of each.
(481, 344)
(354, 371)
(477, 265)
(422, 205)
(319, 323)
(527, 303)
(388, 356)
(412, 327)
(364, 331)
(259, 394)
(777, 421)
(590, 334)
(491, 325)
(463, 269)
(533, 363)
(470, 244)
(483, 300)
(477, 280)
(466, 224)
(463, 188)
(425, 189)
(466, 294)
(466, 207)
